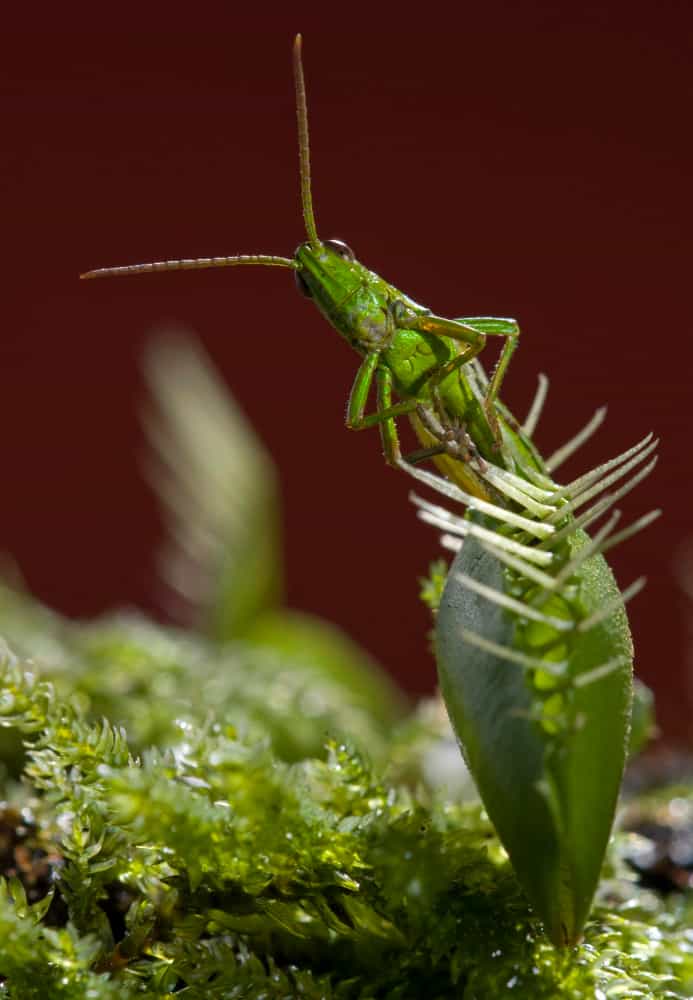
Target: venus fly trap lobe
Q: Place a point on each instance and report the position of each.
(534, 652)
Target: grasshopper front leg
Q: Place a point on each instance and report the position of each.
(385, 414)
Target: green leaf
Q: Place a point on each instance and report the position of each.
(547, 756)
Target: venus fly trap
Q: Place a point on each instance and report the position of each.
(534, 652)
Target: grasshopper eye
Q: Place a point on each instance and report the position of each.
(302, 285)
(339, 247)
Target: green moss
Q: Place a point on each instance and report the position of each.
(151, 680)
(214, 867)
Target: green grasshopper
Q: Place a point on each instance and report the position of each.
(406, 348)
(533, 648)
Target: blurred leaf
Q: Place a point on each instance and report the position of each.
(219, 489)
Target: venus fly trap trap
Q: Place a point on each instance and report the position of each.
(246, 810)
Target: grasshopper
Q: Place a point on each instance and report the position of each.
(408, 351)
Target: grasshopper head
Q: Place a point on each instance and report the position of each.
(327, 273)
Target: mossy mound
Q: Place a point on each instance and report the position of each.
(219, 854)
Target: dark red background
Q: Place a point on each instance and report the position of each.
(524, 159)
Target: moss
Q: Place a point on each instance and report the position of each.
(215, 866)
(151, 680)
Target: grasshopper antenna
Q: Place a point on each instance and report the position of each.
(303, 143)
(195, 264)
